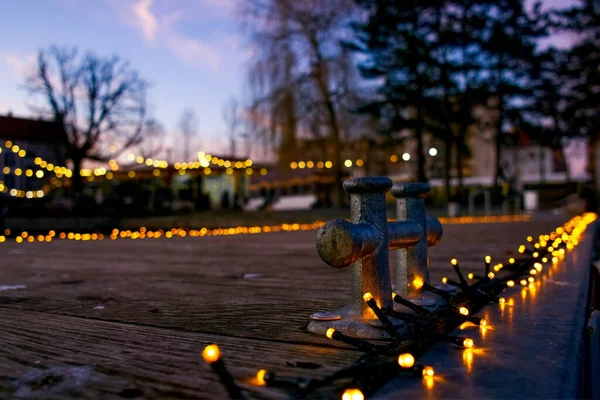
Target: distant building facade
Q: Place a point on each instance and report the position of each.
(22, 141)
(522, 160)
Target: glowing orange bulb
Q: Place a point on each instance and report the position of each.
(464, 310)
(488, 259)
(523, 282)
(468, 343)
(211, 353)
(353, 394)
(510, 283)
(470, 276)
(483, 323)
(367, 296)
(330, 333)
(406, 360)
(418, 283)
(454, 261)
(502, 300)
(491, 275)
(428, 371)
(260, 377)
(531, 279)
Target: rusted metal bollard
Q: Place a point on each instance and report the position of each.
(363, 243)
(412, 267)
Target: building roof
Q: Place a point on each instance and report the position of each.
(31, 130)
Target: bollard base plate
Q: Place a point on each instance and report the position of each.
(447, 288)
(325, 316)
(422, 301)
(351, 325)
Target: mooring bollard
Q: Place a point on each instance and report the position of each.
(364, 244)
(412, 261)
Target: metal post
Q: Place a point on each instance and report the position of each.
(371, 273)
(365, 242)
(362, 243)
(472, 195)
(413, 261)
(487, 202)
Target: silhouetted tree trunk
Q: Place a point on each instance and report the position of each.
(95, 101)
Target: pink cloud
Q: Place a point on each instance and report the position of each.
(159, 30)
(21, 64)
(144, 20)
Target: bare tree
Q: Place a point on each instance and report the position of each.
(232, 120)
(188, 124)
(97, 101)
(154, 138)
(301, 69)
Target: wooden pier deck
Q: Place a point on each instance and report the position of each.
(129, 318)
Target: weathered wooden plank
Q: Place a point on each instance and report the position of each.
(194, 283)
(153, 362)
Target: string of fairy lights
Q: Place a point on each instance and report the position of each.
(40, 173)
(204, 162)
(145, 233)
(349, 163)
(30, 194)
(426, 328)
(59, 171)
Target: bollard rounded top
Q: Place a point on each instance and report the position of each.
(369, 184)
(412, 189)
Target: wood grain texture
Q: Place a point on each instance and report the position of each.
(140, 311)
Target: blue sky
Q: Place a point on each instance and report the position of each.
(191, 51)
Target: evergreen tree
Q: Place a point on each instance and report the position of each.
(396, 42)
(544, 117)
(583, 73)
(427, 57)
(509, 44)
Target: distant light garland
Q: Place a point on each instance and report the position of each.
(488, 287)
(204, 161)
(485, 219)
(30, 194)
(144, 233)
(349, 163)
(22, 153)
(29, 173)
